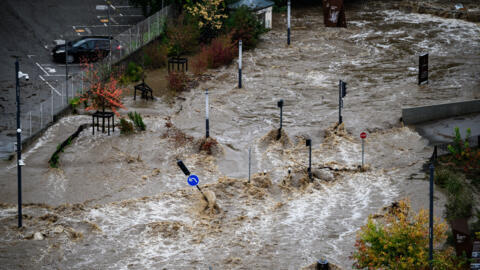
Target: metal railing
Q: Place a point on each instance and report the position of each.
(34, 120)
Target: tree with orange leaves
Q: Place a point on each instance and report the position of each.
(103, 91)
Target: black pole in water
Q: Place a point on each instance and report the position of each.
(19, 145)
(288, 22)
(430, 233)
(280, 105)
(342, 92)
(240, 63)
(207, 123)
(309, 144)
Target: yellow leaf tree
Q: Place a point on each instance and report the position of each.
(400, 240)
(210, 15)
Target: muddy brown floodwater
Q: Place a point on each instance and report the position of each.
(120, 202)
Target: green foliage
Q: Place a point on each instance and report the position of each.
(460, 197)
(137, 120)
(400, 241)
(133, 73)
(183, 35)
(459, 145)
(74, 102)
(126, 127)
(243, 24)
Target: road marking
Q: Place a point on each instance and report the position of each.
(113, 7)
(104, 24)
(53, 88)
(50, 70)
(46, 73)
(88, 30)
(74, 29)
(30, 55)
(113, 20)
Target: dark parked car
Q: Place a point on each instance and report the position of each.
(85, 49)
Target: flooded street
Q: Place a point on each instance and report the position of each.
(121, 202)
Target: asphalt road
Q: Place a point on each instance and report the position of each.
(28, 29)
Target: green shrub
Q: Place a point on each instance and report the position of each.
(74, 102)
(126, 127)
(137, 120)
(459, 145)
(459, 195)
(243, 24)
(133, 73)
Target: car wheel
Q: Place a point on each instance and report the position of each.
(70, 59)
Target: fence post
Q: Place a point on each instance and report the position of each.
(41, 115)
(149, 34)
(158, 22)
(51, 111)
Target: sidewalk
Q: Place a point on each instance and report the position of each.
(442, 131)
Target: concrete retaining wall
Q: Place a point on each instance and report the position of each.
(417, 115)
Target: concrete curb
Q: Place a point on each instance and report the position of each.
(422, 114)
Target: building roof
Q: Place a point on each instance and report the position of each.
(253, 4)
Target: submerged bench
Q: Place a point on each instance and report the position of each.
(145, 89)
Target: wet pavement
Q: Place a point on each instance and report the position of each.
(120, 202)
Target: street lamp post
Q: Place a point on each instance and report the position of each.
(20, 163)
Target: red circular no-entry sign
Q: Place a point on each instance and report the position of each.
(363, 135)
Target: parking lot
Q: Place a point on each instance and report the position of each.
(30, 29)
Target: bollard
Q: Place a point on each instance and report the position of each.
(240, 64)
(322, 264)
(249, 162)
(280, 105)
(207, 123)
(288, 22)
(309, 144)
(342, 92)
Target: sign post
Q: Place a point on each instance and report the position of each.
(240, 64)
(207, 123)
(192, 179)
(363, 135)
(309, 170)
(288, 22)
(280, 105)
(423, 69)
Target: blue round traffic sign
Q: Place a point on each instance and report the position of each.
(193, 180)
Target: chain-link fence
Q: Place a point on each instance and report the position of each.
(35, 119)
